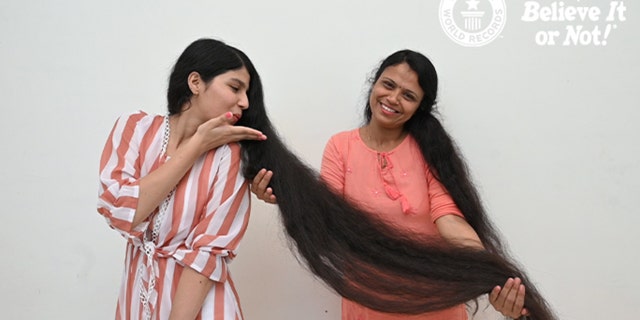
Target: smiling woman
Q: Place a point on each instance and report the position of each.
(394, 99)
(402, 229)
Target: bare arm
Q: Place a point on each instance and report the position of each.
(192, 289)
(156, 186)
(456, 230)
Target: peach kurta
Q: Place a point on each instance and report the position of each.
(397, 184)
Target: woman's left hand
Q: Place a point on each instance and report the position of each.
(509, 300)
(260, 186)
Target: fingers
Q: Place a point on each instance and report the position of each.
(493, 296)
(509, 300)
(255, 184)
(518, 304)
(238, 132)
(260, 186)
(222, 130)
(223, 119)
(246, 133)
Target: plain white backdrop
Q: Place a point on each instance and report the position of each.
(550, 134)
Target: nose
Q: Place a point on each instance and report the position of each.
(393, 96)
(243, 103)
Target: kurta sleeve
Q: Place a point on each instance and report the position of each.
(441, 202)
(119, 173)
(214, 239)
(332, 167)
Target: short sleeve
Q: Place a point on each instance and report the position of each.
(440, 201)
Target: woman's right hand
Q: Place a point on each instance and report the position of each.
(220, 130)
(260, 186)
(509, 300)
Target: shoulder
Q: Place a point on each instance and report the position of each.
(137, 121)
(137, 118)
(342, 144)
(133, 116)
(348, 134)
(345, 137)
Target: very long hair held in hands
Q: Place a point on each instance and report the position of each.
(364, 259)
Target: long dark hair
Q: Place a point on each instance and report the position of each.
(362, 258)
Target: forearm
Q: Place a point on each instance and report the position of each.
(155, 187)
(192, 289)
(472, 242)
(456, 230)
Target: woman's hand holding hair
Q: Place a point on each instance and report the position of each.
(220, 131)
(260, 186)
(509, 300)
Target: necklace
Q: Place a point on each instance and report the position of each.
(165, 203)
(151, 241)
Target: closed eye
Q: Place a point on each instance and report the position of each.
(236, 84)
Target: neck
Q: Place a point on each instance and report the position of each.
(382, 139)
(183, 127)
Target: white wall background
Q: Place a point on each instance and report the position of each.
(550, 134)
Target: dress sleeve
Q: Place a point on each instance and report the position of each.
(440, 201)
(119, 174)
(211, 244)
(332, 167)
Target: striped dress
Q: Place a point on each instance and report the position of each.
(204, 219)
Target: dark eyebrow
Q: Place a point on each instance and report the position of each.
(395, 84)
(240, 82)
(388, 79)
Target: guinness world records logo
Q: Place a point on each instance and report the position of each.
(472, 23)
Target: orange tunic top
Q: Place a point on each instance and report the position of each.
(397, 184)
(204, 220)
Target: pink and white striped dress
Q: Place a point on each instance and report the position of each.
(204, 219)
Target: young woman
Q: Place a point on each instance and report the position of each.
(173, 187)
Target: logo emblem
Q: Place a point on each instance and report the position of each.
(472, 23)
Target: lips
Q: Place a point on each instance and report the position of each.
(387, 109)
(237, 117)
